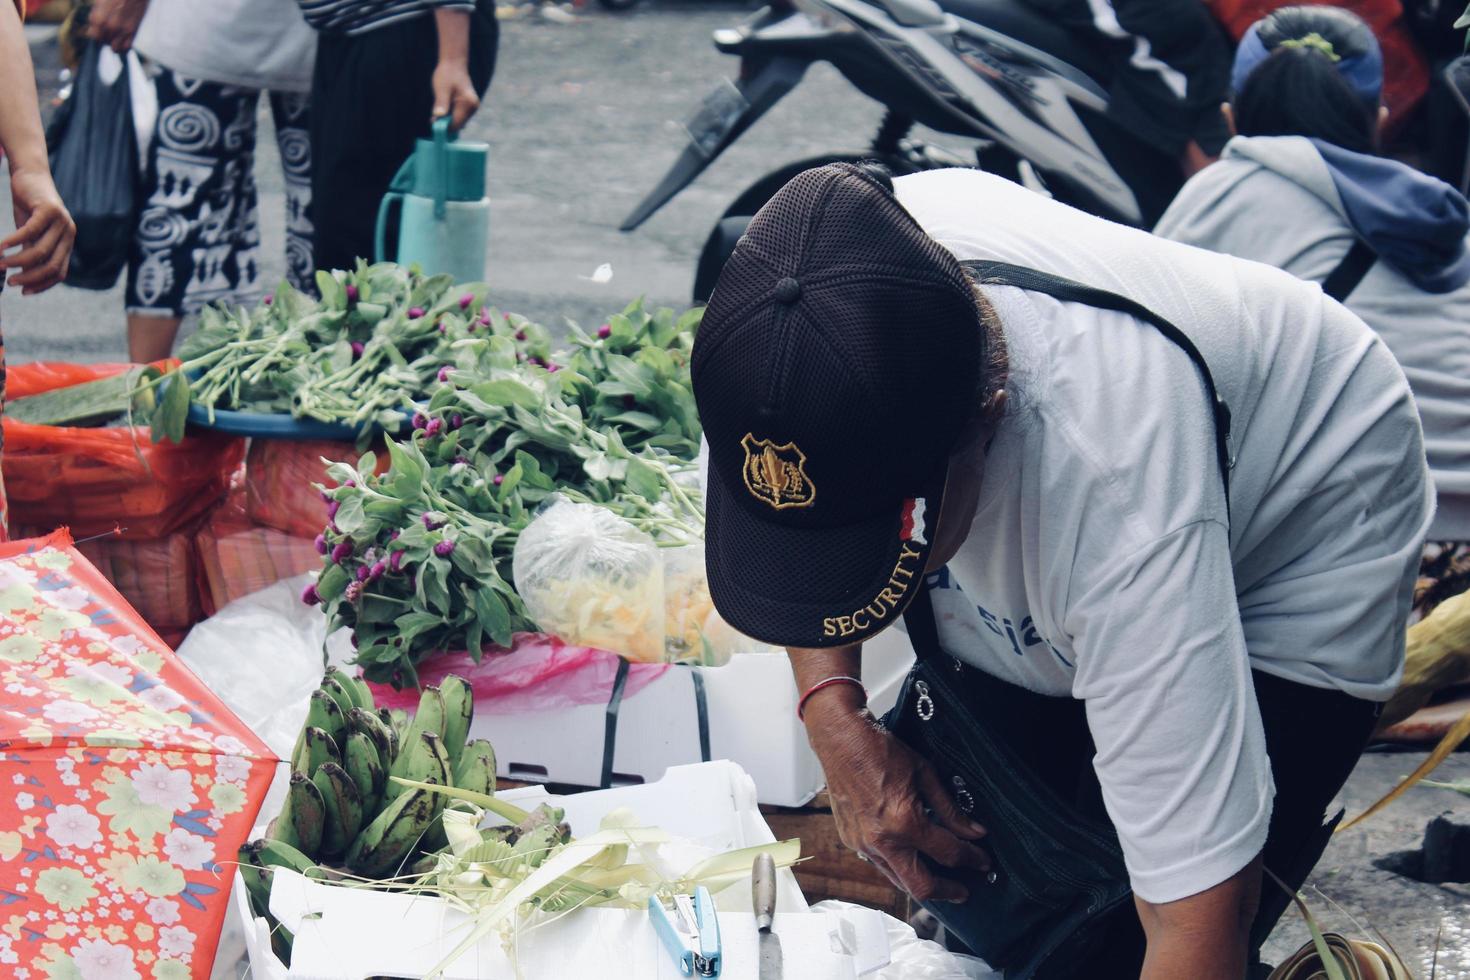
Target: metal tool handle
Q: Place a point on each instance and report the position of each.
(763, 890)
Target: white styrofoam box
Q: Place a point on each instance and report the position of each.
(345, 933)
(752, 721)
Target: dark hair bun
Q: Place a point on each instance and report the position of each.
(1348, 33)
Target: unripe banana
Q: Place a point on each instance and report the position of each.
(359, 689)
(476, 769)
(396, 719)
(429, 717)
(367, 771)
(459, 711)
(344, 690)
(383, 846)
(423, 761)
(317, 748)
(324, 713)
(343, 807)
(384, 739)
(301, 818)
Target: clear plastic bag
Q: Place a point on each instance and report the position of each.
(590, 578)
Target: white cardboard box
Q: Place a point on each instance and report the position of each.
(348, 934)
(751, 704)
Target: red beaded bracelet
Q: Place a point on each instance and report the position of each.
(844, 679)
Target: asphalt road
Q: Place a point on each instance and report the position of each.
(582, 119)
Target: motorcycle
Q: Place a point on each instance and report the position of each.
(1030, 92)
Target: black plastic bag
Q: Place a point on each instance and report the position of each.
(94, 161)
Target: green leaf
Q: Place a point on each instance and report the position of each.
(505, 392)
(493, 615)
(411, 625)
(638, 420)
(350, 515)
(172, 414)
(332, 292)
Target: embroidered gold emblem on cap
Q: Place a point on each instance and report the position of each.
(775, 475)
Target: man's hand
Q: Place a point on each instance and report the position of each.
(44, 230)
(454, 92)
(114, 22)
(889, 804)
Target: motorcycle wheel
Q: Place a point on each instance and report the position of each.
(732, 223)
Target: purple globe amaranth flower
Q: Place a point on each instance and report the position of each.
(432, 429)
(395, 561)
(470, 327)
(552, 367)
(341, 551)
(444, 373)
(332, 507)
(604, 331)
(442, 328)
(420, 420)
(354, 591)
(326, 497)
(432, 525)
(351, 293)
(466, 300)
(379, 569)
(456, 420)
(269, 300)
(499, 479)
(311, 596)
(444, 549)
(520, 334)
(363, 572)
(321, 544)
(393, 536)
(350, 483)
(462, 459)
(357, 348)
(414, 312)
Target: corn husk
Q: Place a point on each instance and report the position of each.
(1437, 656)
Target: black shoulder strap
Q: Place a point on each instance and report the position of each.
(1341, 281)
(1005, 274)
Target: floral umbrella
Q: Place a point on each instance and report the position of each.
(127, 785)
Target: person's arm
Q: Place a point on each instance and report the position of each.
(1205, 935)
(454, 92)
(44, 230)
(115, 22)
(879, 788)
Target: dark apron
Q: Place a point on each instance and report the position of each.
(1057, 903)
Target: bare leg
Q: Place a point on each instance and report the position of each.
(151, 338)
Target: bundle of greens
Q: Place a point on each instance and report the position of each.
(418, 559)
(362, 355)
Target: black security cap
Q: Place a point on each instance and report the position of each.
(835, 369)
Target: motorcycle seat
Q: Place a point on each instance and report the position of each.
(1029, 24)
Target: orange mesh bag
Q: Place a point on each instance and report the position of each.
(94, 480)
(280, 478)
(238, 556)
(158, 577)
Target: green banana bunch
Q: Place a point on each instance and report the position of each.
(326, 714)
(349, 692)
(343, 806)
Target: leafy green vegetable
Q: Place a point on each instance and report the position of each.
(418, 560)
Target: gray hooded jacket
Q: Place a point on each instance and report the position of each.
(1299, 204)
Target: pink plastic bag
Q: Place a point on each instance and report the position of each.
(537, 673)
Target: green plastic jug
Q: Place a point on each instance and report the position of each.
(444, 215)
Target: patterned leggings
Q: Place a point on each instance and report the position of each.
(198, 237)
